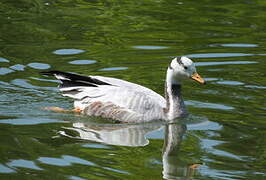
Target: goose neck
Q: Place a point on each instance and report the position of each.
(175, 106)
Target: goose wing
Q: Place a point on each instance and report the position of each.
(123, 94)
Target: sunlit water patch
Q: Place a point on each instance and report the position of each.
(96, 146)
(237, 45)
(113, 69)
(65, 160)
(4, 71)
(46, 80)
(68, 51)
(156, 134)
(30, 121)
(54, 161)
(75, 178)
(80, 62)
(77, 160)
(218, 55)
(211, 79)
(199, 104)
(3, 59)
(23, 164)
(195, 122)
(116, 170)
(255, 87)
(18, 67)
(39, 65)
(25, 83)
(5, 169)
(150, 47)
(210, 145)
(215, 63)
(232, 83)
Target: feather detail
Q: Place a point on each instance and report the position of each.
(74, 78)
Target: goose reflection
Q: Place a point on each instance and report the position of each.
(113, 134)
(135, 135)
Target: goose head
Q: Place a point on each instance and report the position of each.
(181, 69)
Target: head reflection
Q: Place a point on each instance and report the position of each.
(172, 140)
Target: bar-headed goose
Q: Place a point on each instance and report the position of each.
(125, 101)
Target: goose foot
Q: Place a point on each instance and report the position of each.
(55, 109)
(77, 110)
(194, 166)
(62, 110)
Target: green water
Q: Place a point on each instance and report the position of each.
(135, 41)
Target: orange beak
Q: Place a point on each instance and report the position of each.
(197, 78)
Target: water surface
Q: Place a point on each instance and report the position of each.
(135, 41)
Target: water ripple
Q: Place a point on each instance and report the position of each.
(24, 164)
(82, 62)
(4, 169)
(116, 170)
(150, 47)
(255, 87)
(241, 45)
(18, 67)
(4, 71)
(113, 69)
(218, 55)
(211, 79)
(223, 63)
(199, 104)
(77, 160)
(210, 145)
(29, 121)
(75, 178)
(96, 146)
(39, 66)
(25, 84)
(232, 83)
(66, 160)
(3, 60)
(68, 51)
(54, 161)
(204, 126)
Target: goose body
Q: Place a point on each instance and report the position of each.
(125, 101)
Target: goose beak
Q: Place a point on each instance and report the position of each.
(197, 78)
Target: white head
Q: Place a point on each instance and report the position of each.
(181, 69)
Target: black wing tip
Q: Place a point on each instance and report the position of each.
(75, 77)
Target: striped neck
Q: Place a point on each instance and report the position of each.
(175, 106)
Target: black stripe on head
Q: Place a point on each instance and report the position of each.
(178, 59)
